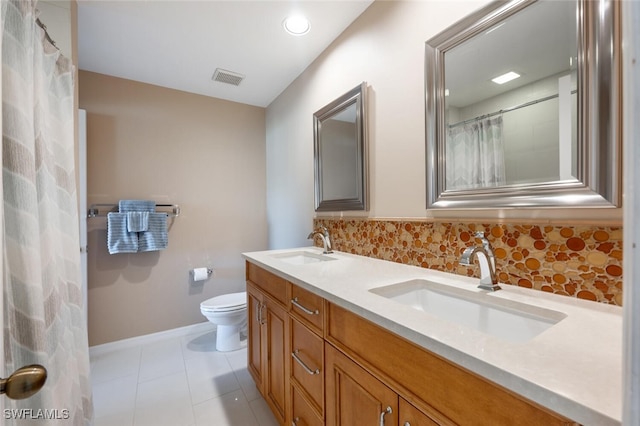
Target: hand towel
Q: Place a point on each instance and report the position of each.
(137, 221)
(118, 239)
(154, 238)
(125, 206)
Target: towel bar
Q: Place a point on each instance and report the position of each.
(94, 209)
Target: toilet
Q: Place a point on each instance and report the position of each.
(229, 313)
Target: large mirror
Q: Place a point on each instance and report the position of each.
(340, 153)
(522, 103)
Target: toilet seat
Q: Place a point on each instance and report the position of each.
(222, 311)
(225, 303)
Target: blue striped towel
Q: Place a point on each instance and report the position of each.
(125, 206)
(156, 237)
(118, 239)
(137, 221)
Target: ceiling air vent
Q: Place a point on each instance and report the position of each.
(229, 77)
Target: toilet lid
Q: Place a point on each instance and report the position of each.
(226, 302)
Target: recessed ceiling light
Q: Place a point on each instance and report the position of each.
(501, 79)
(296, 25)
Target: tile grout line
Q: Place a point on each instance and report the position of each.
(135, 397)
(184, 363)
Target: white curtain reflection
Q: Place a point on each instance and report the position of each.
(475, 155)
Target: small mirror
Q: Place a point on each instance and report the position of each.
(340, 153)
(521, 111)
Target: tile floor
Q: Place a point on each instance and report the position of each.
(177, 381)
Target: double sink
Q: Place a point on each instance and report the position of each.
(482, 311)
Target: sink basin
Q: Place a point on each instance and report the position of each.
(302, 257)
(484, 312)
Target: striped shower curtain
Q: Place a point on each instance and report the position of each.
(43, 305)
(475, 155)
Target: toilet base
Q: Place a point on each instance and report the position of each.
(228, 338)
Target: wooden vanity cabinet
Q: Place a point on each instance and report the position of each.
(349, 371)
(268, 329)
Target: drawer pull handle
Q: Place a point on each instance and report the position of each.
(295, 356)
(295, 421)
(261, 319)
(384, 413)
(307, 311)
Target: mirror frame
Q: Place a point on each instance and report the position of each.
(356, 96)
(598, 184)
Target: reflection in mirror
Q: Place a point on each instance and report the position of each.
(520, 111)
(340, 153)
(511, 126)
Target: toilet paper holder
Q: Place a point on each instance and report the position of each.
(209, 271)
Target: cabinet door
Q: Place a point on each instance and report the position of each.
(256, 357)
(355, 397)
(276, 347)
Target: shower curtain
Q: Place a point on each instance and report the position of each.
(43, 305)
(475, 155)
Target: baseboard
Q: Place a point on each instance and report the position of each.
(150, 338)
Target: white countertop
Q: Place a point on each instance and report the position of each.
(573, 368)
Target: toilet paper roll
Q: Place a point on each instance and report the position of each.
(200, 274)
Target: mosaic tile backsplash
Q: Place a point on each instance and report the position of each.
(579, 261)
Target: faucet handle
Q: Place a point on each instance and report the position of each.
(327, 236)
(485, 242)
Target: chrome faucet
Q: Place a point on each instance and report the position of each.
(323, 232)
(487, 262)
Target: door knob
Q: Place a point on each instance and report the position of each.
(24, 382)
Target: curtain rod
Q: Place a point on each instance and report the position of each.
(46, 34)
(513, 108)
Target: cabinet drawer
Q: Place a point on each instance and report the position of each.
(307, 307)
(268, 282)
(411, 416)
(307, 360)
(301, 412)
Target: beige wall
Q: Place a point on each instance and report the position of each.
(385, 47)
(205, 154)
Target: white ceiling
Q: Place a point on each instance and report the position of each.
(537, 42)
(179, 44)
